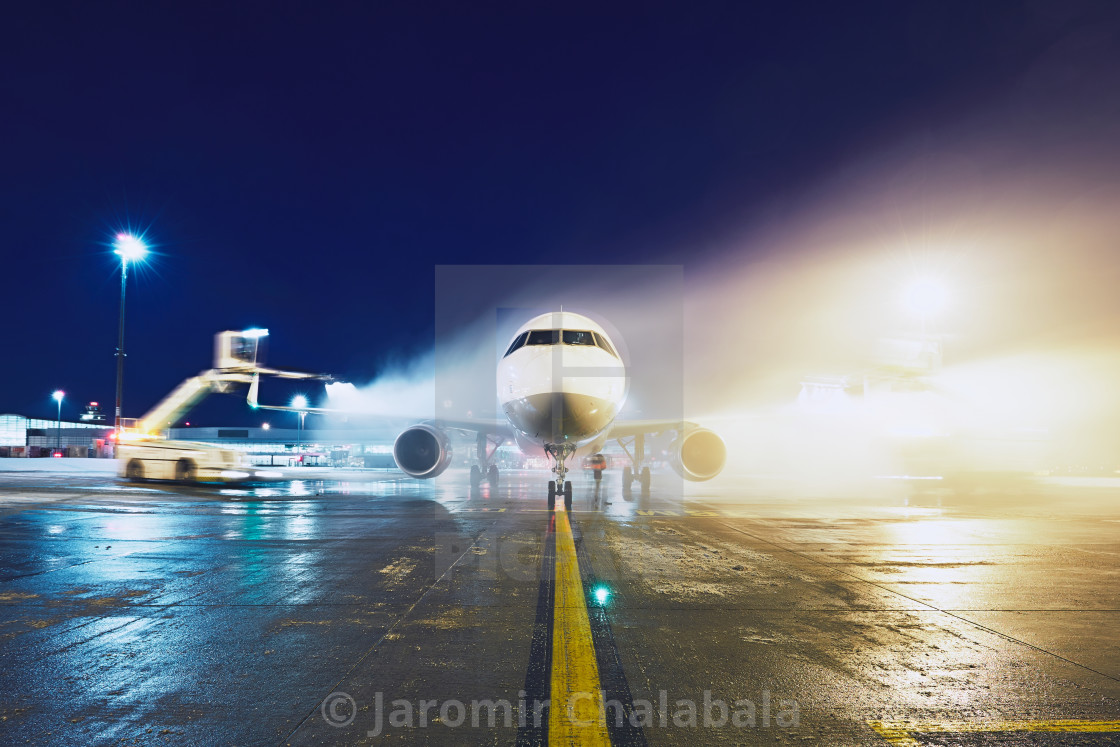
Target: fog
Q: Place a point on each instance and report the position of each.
(1029, 335)
(776, 337)
(1014, 211)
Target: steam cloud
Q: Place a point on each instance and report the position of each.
(1013, 207)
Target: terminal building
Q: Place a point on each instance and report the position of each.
(365, 444)
(370, 445)
(31, 437)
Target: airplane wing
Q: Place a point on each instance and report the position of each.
(697, 453)
(619, 429)
(632, 428)
(478, 426)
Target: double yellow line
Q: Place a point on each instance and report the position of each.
(575, 712)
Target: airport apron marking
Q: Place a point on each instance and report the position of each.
(620, 718)
(640, 512)
(575, 713)
(573, 661)
(901, 733)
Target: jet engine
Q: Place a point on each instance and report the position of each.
(698, 454)
(422, 451)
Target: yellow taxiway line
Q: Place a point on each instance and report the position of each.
(575, 716)
(901, 733)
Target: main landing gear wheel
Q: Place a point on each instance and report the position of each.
(568, 495)
(492, 477)
(627, 478)
(645, 480)
(476, 477)
(551, 495)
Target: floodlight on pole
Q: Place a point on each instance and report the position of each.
(57, 396)
(130, 249)
(299, 402)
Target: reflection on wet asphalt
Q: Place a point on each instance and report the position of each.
(297, 612)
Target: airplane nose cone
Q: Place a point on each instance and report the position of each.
(558, 417)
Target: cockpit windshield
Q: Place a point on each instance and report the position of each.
(556, 336)
(517, 343)
(543, 337)
(572, 337)
(601, 342)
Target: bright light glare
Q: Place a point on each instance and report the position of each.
(925, 297)
(255, 332)
(265, 426)
(58, 395)
(129, 248)
(602, 594)
(299, 402)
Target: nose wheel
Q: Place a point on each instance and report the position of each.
(563, 491)
(563, 486)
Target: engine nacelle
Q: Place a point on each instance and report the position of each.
(699, 454)
(422, 451)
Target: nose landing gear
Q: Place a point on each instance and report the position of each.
(562, 486)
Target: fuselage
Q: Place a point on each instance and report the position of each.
(561, 380)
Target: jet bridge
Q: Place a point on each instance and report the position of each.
(237, 362)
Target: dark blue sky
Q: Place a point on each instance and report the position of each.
(304, 166)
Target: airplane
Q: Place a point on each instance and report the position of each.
(561, 385)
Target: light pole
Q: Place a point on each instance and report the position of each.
(130, 249)
(299, 402)
(58, 395)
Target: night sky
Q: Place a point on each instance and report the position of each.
(305, 166)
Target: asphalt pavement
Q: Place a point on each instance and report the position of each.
(386, 610)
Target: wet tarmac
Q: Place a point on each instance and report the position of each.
(384, 610)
